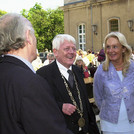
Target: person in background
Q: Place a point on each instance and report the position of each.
(80, 53)
(27, 105)
(83, 55)
(85, 59)
(79, 62)
(93, 66)
(90, 56)
(101, 56)
(50, 59)
(37, 63)
(114, 86)
(95, 60)
(68, 86)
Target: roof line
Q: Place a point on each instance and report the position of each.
(75, 2)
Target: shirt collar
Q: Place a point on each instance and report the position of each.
(63, 69)
(23, 60)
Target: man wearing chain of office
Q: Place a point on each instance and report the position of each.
(68, 86)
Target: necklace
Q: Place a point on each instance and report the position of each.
(81, 121)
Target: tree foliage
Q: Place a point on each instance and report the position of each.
(47, 24)
(2, 12)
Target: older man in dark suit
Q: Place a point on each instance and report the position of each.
(26, 102)
(68, 86)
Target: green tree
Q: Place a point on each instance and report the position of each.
(47, 24)
(2, 12)
(55, 24)
(38, 18)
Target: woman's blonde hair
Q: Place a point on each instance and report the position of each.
(126, 55)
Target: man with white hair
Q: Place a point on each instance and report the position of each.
(68, 86)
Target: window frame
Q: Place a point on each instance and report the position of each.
(109, 24)
(82, 36)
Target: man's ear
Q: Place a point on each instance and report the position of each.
(28, 37)
(55, 51)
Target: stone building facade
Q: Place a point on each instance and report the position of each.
(82, 16)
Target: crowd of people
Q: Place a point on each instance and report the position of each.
(52, 98)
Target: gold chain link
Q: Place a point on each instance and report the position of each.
(80, 111)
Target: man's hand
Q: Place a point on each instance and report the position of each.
(68, 108)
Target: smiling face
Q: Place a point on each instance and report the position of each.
(114, 50)
(66, 53)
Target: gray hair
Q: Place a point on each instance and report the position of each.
(60, 38)
(12, 32)
(126, 56)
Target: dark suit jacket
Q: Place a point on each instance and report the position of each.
(53, 76)
(26, 102)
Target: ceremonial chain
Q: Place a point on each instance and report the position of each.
(80, 111)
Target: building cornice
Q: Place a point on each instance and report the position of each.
(86, 3)
(74, 2)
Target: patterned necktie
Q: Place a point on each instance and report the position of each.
(70, 78)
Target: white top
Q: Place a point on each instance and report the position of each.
(123, 124)
(46, 62)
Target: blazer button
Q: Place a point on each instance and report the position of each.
(73, 122)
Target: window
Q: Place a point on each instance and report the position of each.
(113, 25)
(81, 36)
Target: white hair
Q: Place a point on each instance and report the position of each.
(60, 38)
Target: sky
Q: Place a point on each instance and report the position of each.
(17, 5)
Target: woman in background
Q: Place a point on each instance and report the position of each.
(101, 56)
(80, 63)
